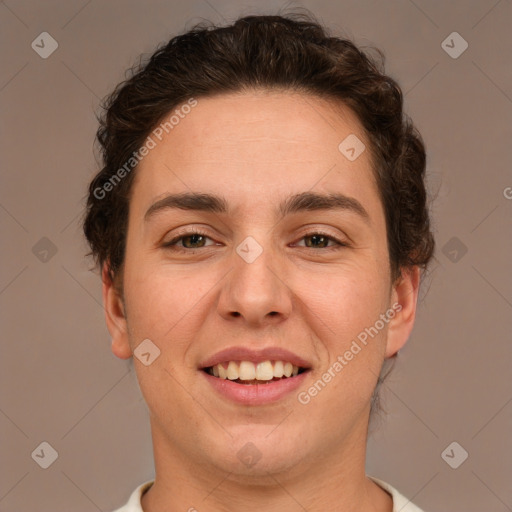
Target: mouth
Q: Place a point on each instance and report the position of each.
(253, 377)
(250, 373)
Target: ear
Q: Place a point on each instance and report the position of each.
(404, 297)
(115, 316)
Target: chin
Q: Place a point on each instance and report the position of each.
(254, 451)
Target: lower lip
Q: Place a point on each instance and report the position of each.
(255, 394)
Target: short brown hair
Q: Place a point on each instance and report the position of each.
(292, 52)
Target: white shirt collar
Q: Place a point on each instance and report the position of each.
(400, 502)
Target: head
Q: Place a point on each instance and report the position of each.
(261, 187)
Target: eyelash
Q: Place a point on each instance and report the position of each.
(172, 244)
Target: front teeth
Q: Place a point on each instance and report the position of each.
(247, 370)
(264, 371)
(232, 371)
(278, 369)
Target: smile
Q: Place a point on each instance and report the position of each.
(247, 372)
(249, 376)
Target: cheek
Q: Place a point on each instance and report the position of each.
(342, 309)
(167, 303)
(346, 299)
(167, 307)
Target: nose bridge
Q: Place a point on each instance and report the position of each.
(254, 290)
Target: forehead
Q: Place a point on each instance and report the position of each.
(259, 146)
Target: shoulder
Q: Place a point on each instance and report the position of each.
(133, 504)
(400, 502)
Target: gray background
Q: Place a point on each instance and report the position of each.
(59, 381)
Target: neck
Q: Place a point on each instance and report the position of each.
(332, 481)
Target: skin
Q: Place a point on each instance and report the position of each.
(255, 149)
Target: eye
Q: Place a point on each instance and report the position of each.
(317, 240)
(320, 241)
(191, 240)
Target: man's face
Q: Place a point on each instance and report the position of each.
(261, 274)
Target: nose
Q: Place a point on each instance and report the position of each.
(255, 292)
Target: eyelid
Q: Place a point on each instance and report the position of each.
(187, 232)
(336, 241)
(342, 240)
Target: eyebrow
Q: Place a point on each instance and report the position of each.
(313, 201)
(188, 201)
(305, 201)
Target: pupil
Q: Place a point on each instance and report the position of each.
(192, 240)
(317, 241)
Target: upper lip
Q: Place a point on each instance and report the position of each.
(255, 356)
